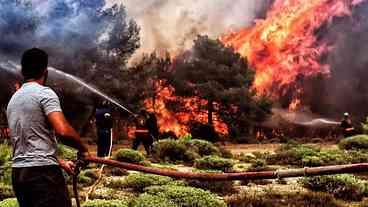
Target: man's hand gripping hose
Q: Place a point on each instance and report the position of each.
(80, 164)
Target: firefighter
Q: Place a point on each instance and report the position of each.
(104, 124)
(347, 126)
(143, 134)
(152, 126)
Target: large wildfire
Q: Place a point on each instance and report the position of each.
(282, 47)
(290, 45)
(285, 45)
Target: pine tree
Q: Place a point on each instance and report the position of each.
(217, 74)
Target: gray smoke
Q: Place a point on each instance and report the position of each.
(173, 25)
(70, 31)
(53, 24)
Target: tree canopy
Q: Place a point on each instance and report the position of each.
(217, 74)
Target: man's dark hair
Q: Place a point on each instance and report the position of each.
(34, 63)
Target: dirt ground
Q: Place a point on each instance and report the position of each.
(250, 148)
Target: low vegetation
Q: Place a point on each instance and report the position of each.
(120, 188)
(186, 150)
(218, 187)
(172, 151)
(88, 177)
(214, 163)
(347, 187)
(129, 155)
(309, 156)
(183, 196)
(105, 203)
(358, 142)
(5, 153)
(139, 181)
(148, 200)
(66, 153)
(202, 147)
(258, 165)
(11, 202)
(271, 199)
(6, 191)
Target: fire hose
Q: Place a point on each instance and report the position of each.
(278, 174)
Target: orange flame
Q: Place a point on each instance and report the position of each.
(284, 45)
(178, 122)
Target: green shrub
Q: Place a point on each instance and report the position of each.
(219, 187)
(139, 181)
(5, 173)
(105, 203)
(225, 153)
(105, 193)
(347, 187)
(246, 158)
(5, 153)
(291, 154)
(11, 202)
(303, 155)
(67, 153)
(214, 163)
(115, 171)
(92, 173)
(129, 155)
(172, 151)
(6, 191)
(114, 182)
(186, 196)
(356, 142)
(202, 147)
(88, 177)
(271, 199)
(147, 200)
(357, 156)
(365, 126)
(258, 165)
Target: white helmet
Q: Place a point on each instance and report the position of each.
(346, 114)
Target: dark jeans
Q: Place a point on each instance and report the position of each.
(40, 187)
(103, 142)
(144, 138)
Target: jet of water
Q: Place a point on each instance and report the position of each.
(319, 122)
(14, 68)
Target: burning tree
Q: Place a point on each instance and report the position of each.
(144, 77)
(222, 78)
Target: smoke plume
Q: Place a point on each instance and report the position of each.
(345, 90)
(77, 34)
(173, 25)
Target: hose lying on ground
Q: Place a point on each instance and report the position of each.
(313, 171)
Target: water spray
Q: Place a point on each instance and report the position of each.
(320, 121)
(14, 68)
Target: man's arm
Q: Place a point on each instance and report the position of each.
(66, 132)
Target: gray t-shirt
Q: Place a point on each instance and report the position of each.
(32, 136)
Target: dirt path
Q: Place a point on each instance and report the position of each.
(250, 148)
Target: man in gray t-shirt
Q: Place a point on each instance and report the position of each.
(34, 117)
(32, 136)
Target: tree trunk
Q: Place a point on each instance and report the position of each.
(210, 112)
